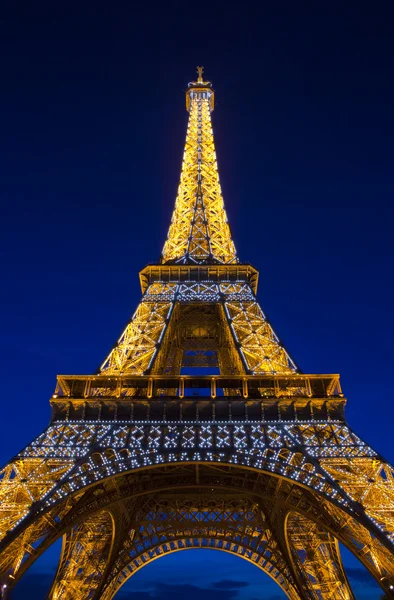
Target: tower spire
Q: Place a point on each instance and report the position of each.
(200, 71)
(199, 232)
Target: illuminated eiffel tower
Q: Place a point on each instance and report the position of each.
(253, 457)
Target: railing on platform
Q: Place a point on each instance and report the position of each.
(189, 386)
(168, 273)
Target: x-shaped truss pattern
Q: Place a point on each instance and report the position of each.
(172, 523)
(137, 345)
(316, 554)
(258, 343)
(85, 555)
(103, 551)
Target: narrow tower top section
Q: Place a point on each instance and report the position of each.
(200, 89)
(199, 232)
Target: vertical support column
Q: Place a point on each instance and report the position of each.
(85, 553)
(315, 554)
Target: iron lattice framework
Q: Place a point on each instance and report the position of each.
(255, 459)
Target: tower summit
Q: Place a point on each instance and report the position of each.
(199, 232)
(149, 456)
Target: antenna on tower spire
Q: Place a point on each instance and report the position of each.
(200, 71)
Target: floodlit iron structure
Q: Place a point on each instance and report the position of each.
(255, 458)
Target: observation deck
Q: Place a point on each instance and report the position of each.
(212, 273)
(185, 397)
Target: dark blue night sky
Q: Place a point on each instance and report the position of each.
(93, 121)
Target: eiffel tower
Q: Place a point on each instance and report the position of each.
(247, 455)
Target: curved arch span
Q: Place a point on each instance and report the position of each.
(121, 495)
(179, 544)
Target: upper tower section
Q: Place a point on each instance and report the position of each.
(200, 89)
(199, 232)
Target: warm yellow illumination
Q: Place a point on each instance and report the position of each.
(141, 460)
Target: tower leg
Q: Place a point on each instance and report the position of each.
(85, 554)
(316, 557)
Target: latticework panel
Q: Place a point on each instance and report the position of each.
(22, 550)
(180, 523)
(259, 345)
(377, 557)
(370, 482)
(24, 482)
(84, 558)
(137, 345)
(316, 555)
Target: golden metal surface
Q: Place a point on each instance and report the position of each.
(315, 553)
(84, 558)
(199, 231)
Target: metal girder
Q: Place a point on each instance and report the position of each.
(137, 345)
(257, 341)
(197, 327)
(85, 553)
(171, 523)
(316, 556)
(369, 481)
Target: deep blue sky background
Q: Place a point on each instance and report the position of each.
(92, 122)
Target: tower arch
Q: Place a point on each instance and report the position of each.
(270, 498)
